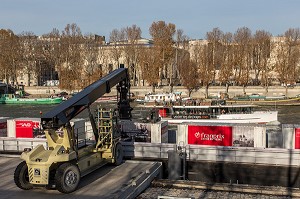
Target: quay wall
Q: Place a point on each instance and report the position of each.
(273, 91)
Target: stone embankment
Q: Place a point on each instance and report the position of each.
(274, 91)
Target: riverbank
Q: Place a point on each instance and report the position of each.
(279, 102)
(140, 91)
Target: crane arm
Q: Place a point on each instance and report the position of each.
(64, 112)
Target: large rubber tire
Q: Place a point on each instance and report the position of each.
(21, 176)
(67, 178)
(118, 154)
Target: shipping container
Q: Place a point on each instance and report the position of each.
(23, 127)
(30, 128)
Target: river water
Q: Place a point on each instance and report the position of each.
(286, 114)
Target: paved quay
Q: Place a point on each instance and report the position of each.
(107, 182)
(103, 183)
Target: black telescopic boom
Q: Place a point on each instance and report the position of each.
(67, 110)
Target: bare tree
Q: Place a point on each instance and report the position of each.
(200, 56)
(90, 55)
(131, 51)
(287, 60)
(103, 60)
(116, 39)
(181, 55)
(52, 51)
(29, 53)
(149, 67)
(162, 35)
(214, 50)
(261, 55)
(226, 67)
(190, 76)
(10, 56)
(242, 56)
(207, 73)
(71, 42)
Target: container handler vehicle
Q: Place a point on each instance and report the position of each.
(64, 161)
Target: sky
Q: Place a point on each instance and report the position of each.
(194, 17)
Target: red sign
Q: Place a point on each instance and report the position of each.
(163, 112)
(297, 138)
(210, 135)
(24, 128)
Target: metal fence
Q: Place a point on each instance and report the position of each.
(19, 144)
(285, 157)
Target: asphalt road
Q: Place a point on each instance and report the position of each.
(108, 182)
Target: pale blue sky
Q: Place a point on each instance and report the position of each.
(194, 17)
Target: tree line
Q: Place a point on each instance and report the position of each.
(241, 58)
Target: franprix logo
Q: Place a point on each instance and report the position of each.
(211, 137)
(197, 134)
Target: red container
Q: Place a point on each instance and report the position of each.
(210, 135)
(297, 138)
(24, 128)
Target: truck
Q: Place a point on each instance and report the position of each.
(66, 160)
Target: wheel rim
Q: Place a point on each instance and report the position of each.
(71, 179)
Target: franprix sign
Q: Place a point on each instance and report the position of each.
(210, 135)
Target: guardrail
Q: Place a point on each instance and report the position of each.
(269, 156)
(19, 144)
